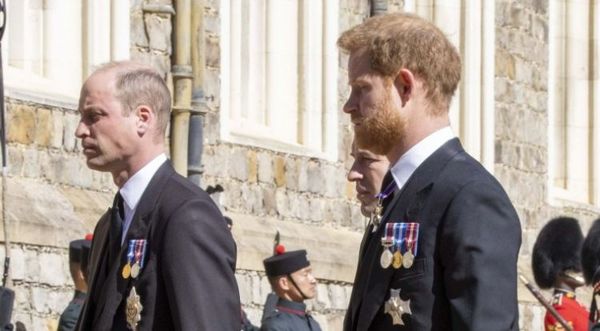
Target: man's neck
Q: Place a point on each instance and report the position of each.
(414, 134)
(135, 164)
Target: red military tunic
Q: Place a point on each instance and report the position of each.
(571, 310)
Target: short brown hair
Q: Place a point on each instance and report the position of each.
(139, 84)
(401, 40)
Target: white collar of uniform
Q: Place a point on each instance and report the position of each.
(136, 185)
(412, 159)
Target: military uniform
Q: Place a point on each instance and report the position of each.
(290, 316)
(572, 311)
(69, 317)
(556, 264)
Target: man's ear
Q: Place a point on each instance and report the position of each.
(404, 83)
(145, 117)
(283, 283)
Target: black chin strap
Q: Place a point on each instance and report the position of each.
(304, 297)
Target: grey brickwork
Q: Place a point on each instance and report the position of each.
(52, 197)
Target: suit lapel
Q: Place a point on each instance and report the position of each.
(115, 286)
(376, 278)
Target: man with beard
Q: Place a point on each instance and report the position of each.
(442, 254)
(367, 173)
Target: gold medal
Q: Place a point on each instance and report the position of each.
(133, 309)
(135, 270)
(408, 259)
(397, 263)
(126, 271)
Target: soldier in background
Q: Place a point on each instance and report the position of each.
(590, 260)
(78, 256)
(291, 279)
(556, 263)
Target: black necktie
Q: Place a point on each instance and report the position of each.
(116, 225)
(387, 180)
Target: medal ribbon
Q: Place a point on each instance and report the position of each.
(387, 191)
(399, 235)
(389, 233)
(412, 238)
(130, 252)
(140, 250)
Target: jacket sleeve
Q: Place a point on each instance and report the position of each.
(198, 267)
(480, 240)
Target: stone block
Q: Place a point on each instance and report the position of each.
(265, 168)
(269, 201)
(43, 127)
(244, 286)
(505, 64)
(339, 296)
(252, 167)
(321, 301)
(291, 173)
(279, 166)
(213, 50)
(315, 209)
(52, 265)
(315, 177)
(302, 175)
(238, 165)
(31, 163)
(138, 30)
(281, 201)
(71, 120)
(20, 124)
(58, 118)
(158, 30)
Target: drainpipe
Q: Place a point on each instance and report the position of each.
(182, 85)
(379, 7)
(198, 111)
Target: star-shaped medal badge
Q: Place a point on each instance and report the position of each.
(133, 309)
(397, 307)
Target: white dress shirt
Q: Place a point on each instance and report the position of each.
(412, 159)
(134, 188)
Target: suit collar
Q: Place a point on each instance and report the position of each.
(376, 279)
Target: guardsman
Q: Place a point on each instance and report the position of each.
(590, 260)
(556, 264)
(290, 275)
(78, 251)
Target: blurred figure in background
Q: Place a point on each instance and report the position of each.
(590, 261)
(556, 263)
(78, 256)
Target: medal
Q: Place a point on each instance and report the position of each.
(407, 259)
(386, 256)
(397, 263)
(396, 307)
(126, 271)
(135, 270)
(133, 309)
(411, 243)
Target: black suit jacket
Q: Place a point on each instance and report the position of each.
(187, 282)
(464, 276)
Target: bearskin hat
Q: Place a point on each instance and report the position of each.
(590, 253)
(557, 249)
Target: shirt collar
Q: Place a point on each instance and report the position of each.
(136, 185)
(412, 159)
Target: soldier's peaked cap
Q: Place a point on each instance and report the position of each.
(286, 263)
(590, 253)
(557, 249)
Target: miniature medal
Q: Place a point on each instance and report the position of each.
(126, 271)
(397, 307)
(386, 255)
(133, 309)
(407, 259)
(376, 216)
(135, 270)
(397, 263)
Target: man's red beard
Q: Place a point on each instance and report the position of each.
(381, 131)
